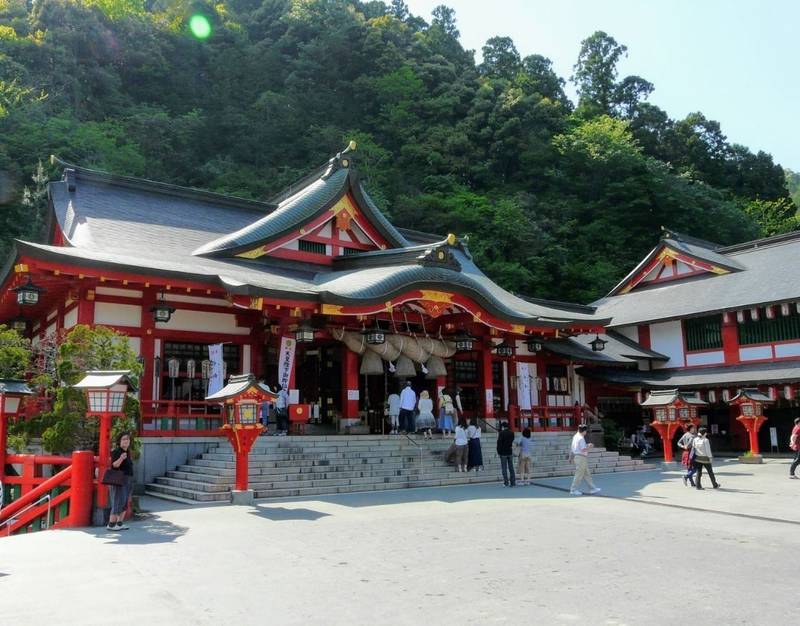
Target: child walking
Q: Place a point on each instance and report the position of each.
(525, 463)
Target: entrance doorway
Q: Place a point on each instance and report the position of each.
(318, 374)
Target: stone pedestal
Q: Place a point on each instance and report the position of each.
(751, 459)
(595, 436)
(243, 496)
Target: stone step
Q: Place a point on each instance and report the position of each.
(192, 485)
(188, 494)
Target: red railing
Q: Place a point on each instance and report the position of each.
(545, 418)
(181, 418)
(63, 500)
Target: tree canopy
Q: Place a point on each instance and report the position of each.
(559, 200)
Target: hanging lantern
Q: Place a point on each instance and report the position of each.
(304, 332)
(162, 312)
(190, 368)
(375, 336)
(740, 317)
(598, 345)
(772, 392)
(538, 383)
(769, 313)
(504, 349)
(173, 367)
(205, 369)
(534, 344)
(726, 395)
(754, 314)
(464, 342)
(785, 309)
(712, 396)
(638, 397)
(788, 392)
(28, 294)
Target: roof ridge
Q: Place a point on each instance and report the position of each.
(703, 243)
(134, 182)
(772, 240)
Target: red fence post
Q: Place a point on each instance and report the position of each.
(81, 489)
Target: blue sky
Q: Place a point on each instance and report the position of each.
(737, 61)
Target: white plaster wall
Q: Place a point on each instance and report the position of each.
(756, 353)
(667, 339)
(71, 317)
(178, 297)
(326, 230)
(705, 358)
(123, 293)
(51, 329)
(787, 349)
(117, 314)
(631, 332)
(204, 322)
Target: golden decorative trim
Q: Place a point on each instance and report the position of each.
(518, 328)
(256, 303)
(437, 296)
(56, 272)
(451, 239)
(331, 309)
(252, 254)
(90, 294)
(20, 268)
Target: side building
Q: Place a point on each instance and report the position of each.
(717, 319)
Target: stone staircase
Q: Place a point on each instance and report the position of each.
(320, 465)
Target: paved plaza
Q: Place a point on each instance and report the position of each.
(647, 551)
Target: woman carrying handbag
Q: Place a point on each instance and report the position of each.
(119, 494)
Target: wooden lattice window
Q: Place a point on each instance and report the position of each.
(763, 330)
(314, 247)
(703, 333)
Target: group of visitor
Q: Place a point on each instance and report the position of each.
(410, 414)
(696, 457)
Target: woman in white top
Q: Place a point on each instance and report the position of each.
(425, 420)
(702, 458)
(462, 442)
(474, 453)
(394, 411)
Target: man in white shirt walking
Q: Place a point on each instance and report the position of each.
(408, 402)
(580, 454)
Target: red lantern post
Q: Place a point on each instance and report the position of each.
(11, 394)
(241, 399)
(750, 403)
(672, 411)
(106, 391)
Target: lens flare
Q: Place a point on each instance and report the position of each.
(200, 26)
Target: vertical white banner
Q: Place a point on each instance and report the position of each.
(286, 361)
(523, 386)
(216, 380)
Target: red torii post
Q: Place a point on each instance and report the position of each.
(672, 411)
(242, 398)
(750, 403)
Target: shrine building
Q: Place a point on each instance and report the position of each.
(357, 304)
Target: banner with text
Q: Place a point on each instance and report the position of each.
(523, 386)
(216, 379)
(286, 362)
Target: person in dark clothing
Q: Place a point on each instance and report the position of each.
(505, 450)
(121, 460)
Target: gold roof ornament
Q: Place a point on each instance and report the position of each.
(451, 239)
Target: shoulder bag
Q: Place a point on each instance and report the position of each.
(113, 477)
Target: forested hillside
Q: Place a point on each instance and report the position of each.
(560, 200)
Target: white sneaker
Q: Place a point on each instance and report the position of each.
(596, 490)
(575, 492)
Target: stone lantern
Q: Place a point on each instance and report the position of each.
(241, 399)
(672, 410)
(750, 403)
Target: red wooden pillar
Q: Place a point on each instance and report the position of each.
(104, 459)
(86, 307)
(730, 338)
(147, 346)
(3, 439)
(81, 489)
(349, 383)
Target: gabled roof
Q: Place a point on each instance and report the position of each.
(750, 393)
(768, 276)
(240, 383)
(672, 243)
(619, 350)
(312, 197)
(666, 397)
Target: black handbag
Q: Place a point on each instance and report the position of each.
(113, 477)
